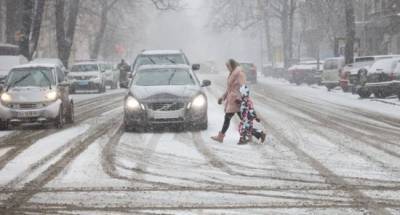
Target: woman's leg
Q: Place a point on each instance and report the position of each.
(227, 121)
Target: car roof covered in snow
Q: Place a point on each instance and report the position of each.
(86, 62)
(8, 45)
(48, 60)
(173, 66)
(33, 64)
(385, 65)
(161, 52)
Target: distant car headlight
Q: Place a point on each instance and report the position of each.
(51, 96)
(198, 102)
(6, 98)
(132, 104)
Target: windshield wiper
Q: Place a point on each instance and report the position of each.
(170, 60)
(171, 77)
(17, 81)
(47, 78)
(151, 59)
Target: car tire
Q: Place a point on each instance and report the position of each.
(59, 121)
(364, 93)
(3, 125)
(70, 118)
(203, 125)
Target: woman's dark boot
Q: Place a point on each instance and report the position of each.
(262, 138)
(242, 141)
(219, 138)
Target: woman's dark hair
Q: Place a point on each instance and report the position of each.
(233, 64)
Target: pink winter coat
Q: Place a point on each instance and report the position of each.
(232, 95)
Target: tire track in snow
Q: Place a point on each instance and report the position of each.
(363, 200)
(80, 144)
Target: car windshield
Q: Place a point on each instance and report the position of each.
(169, 59)
(30, 77)
(84, 68)
(162, 77)
(331, 64)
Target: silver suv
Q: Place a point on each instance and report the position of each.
(88, 76)
(36, 93)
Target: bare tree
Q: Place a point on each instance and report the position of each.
(31, 23)
(65, 31)
(350, 31)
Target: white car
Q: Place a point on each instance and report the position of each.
(9, 57)
(331, 72)
(35, 93)
(87, 77)
(383, 78)
(112, 75)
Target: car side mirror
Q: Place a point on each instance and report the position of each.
(195, 67)
(206, 83)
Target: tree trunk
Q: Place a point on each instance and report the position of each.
(1, 20)
(285, 33)
(292, 8)
(26, 29)
(36, 25)
(11, 20)
(64, 37)
(350, 31)
(100, 34)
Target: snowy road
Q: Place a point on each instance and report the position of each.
(326, 153)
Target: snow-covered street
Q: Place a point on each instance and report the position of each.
(325, 153)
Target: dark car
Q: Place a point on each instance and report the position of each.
(308, 72)
(162, 57)
(165, 94)
(251, 72)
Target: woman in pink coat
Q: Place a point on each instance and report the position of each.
(232, 96)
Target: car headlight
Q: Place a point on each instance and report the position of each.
(198, 102)
(132, 103)
(5, 97)
(51, 96)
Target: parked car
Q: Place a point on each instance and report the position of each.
(308, 72)
(162, 57)
(383, 79)
(350, 75)
(88, 76)
(331, 72)
(111, 75)
(250, 70)
(165, 94)
(36, 93)
(9, 57)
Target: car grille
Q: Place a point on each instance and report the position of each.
(82, 77)
(166, 106)
(26, 106)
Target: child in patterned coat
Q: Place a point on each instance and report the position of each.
(248, 115)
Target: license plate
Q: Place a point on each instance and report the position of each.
(167, 114)
(27, 114)
(83, 82)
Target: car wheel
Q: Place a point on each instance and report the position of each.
(381, 94)
(3, 125)
(70, 118)
(59, 121)
(203, 125)
(364, 93)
